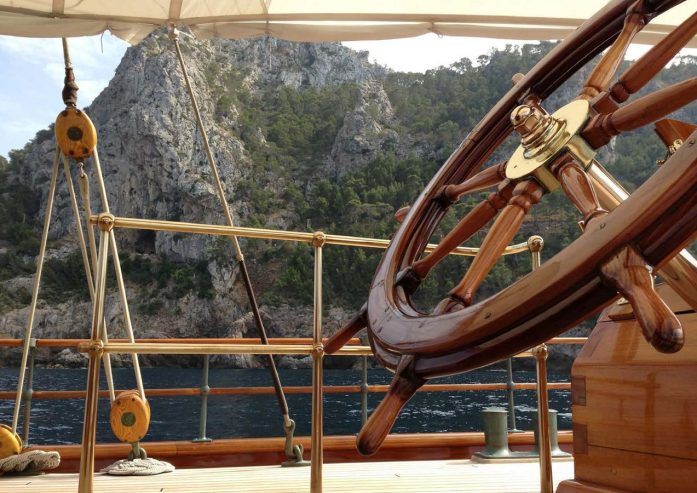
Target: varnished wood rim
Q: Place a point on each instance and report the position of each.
(464, 338)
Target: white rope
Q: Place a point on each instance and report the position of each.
(84, 185)
(27, 462)
(119, 277)
(35, 291)
(106, 357)
(126, 313)
(138, 467)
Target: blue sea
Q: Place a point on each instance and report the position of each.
(177, 418)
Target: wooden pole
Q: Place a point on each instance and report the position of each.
(89, 426)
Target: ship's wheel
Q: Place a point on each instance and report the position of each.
(615, 255)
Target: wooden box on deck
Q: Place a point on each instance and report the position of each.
(635, 409)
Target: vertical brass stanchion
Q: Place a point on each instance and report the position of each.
(28, 391)
(316, 457)
(535, 244)
(89, 426)
(546, 483)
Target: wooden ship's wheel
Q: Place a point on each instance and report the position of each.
(622, 245)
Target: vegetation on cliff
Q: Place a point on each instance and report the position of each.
(339, 155)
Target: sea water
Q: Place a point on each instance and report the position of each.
(235, 416)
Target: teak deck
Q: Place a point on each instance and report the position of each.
(375, 477)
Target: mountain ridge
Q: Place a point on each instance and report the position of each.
(307, 137)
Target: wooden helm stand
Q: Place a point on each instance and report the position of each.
(634, 408)
(616, 255)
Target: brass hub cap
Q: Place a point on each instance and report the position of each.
(544, 137)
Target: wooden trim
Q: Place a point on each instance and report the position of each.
(269, 451)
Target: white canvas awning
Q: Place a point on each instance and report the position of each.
(316, 20)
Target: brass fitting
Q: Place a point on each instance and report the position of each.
(318, 239)
(318, 350)
(540, 352)
(96, 347)
(536, 243)
(105, 221)
(537, 129)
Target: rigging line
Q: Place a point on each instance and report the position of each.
(84, 185)
(85, 191)
(126, 312)
(35, 290)
(117, 263)
(280, 396)
(106, 358)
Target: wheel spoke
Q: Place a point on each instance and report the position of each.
(475, 220)
(630, 274)
(646, 67)
(602, 73)
(640, 112)
(344, 334)
(525, 195)
(578, 187)
(488, 178)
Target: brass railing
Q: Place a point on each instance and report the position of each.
(313, 347)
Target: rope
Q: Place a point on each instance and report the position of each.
(35, 291)
(30, 462)
(280, 396)
(138, 467)
(106, 357)
(83, 181)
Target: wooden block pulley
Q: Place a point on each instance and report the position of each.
(129, 416)
(10, 443)
(75, 133)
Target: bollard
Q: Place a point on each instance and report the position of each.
(553, 438)
(495, 434)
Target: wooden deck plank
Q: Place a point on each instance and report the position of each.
(375, 477)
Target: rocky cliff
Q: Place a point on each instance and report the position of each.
(306, 136)
(154, 167)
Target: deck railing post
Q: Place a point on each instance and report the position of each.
(204, 390)
(510, 388)
(546, 483)
(95, 353)
(27, 394)
(364, 390)
(540, 353)
(316, 457)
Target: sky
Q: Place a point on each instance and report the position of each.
(32, 75)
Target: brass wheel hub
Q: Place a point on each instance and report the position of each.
(544, 137)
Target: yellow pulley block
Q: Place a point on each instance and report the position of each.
(10, 443)
(129, 416)
(75, 133)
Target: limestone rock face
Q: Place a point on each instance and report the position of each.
(154, 166)
(366, 131)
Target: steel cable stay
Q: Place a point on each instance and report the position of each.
(294, 452)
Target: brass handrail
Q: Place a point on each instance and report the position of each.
(312, 347)
(273, 234)
(289, 389)
(63, 343)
